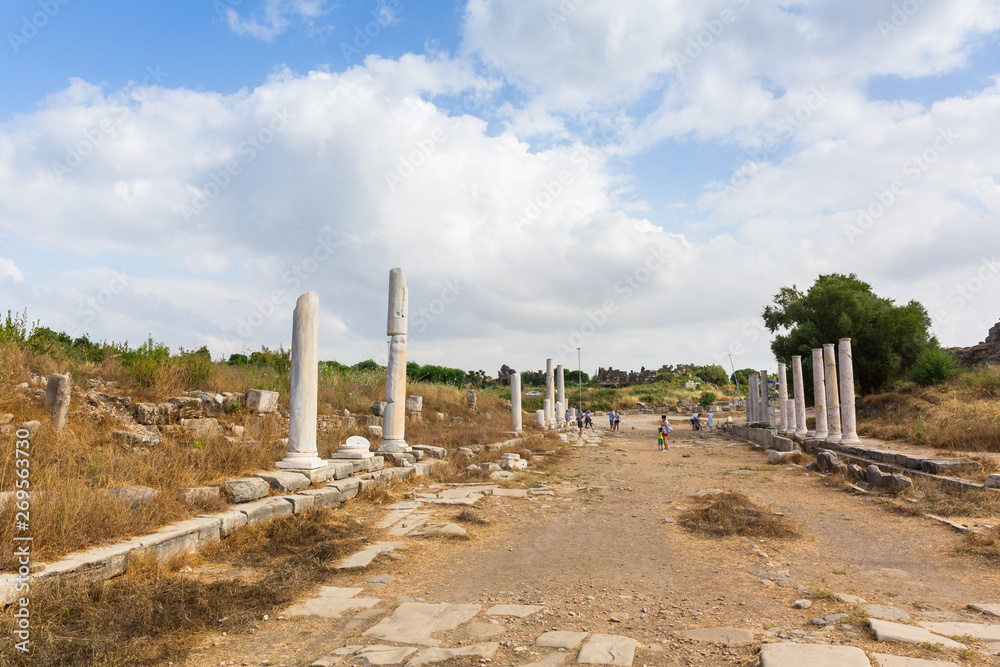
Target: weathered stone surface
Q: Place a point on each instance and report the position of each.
(205, 427)
(561, 639)
(147, 414)
(908, 634)
(266, 509)
(992, 482)
(134, 439)
(324, 497)
(57, 397)
(132, 496)
(414, 403)
(262, 401)
(199, 495)
(180, 537)
(490, 467)
(300, 503)
(984, 608)
(432, 655)
(285, 481)
(436, 452)
(230, 521)
(332, 602)
(414, 622)
(442, 529)
(884, 660)
(984, 631)
(553, 659)
(384, 655)
(814, 655)
(607, 650)
(724, 636)
(364, 558)
(515, 610)
(886, 613)
(247, 489)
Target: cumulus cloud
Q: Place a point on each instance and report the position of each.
(9, 271)
(273, 17)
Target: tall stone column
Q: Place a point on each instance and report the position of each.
(832, 393)
(550, 392)
(765, 400)
(302, 453)
(515, 402)
(560, 392)
(548, 411)
(848, 415)
(752, 399)
(57, 396)
(394, 415)
(819, 396)
(798, 386)
(783, 397)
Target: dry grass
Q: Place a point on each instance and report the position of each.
(732, 513)
(934, 498)
(960, 415)
(152, 615)
(986, 545)
(471, 515)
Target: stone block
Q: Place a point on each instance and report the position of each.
(561, 639)
(132, 496)
(348, 488)
(373, 432)
(783, 444)
(267, 508)
(886, 660)
(942, 466)
(167, 413)
(181, 537)
(134, 439)
(230, 521)
(896, 481)
(415, 404)
(721, 636)
(786, 654)
(285, 481)
(199, 495)
(992, 482)
(908, 634)
(201, 427)
(378, 408)
(608, 650)
(246, 489)
(873, 475)
(262, 401)
(327, 497)
(147, 414)
(301, 503)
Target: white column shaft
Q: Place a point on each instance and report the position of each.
(302, 453)
(832, 393)
(783, 397)
(798, 386)
(515, 402)
(819, 396)
(848, 415)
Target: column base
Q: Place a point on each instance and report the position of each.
(834, 438)
(301, 462)
(803, 434)
(394, 446)
(850, 441)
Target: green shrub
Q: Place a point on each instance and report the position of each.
(933, 366)
(706, 399)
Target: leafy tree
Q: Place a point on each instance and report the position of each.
(743, 375)
(933, 366)
(713, 373)
(706, 399)
(886, 338)
(574, 377)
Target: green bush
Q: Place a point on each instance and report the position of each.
(933, 366)
(706, 399)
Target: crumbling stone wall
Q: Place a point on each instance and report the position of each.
(987, 352)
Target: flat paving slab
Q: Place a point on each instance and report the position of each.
(787, 654)
(515, 610)
(984, 608)
(384, 655)
(884, 660)
(561, 639)
(607, 650)
(332, 602)
(886, 613)
(415, 622)
(475, 631)
(364, 558)
(554, 659)
(987, 631)
(887, 631)
(724, 636)
(431, 655)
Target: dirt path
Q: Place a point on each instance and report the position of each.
(610, 559)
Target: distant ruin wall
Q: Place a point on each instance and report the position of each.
(987, 352)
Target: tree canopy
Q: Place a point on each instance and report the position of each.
(886, 338)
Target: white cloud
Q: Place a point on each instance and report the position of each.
(9, 271)
(274, 17)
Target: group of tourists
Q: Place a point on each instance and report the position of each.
(614, 421)
(584, 419)
(696, 421)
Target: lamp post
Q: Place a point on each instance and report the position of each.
(736, 377)
(579, 377)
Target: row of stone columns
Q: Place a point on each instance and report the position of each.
(833, 392)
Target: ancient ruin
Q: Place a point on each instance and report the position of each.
(302, 452)
(394, 414)
(986, 352)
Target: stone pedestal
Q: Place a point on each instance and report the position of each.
(57, 396)
(848, 416)
(394, 414)
(540, 417)
(783, 398)
(822, 428)
(832, 393)
(560, 392)
(302, 453)
(798, 386)
(515, 402)
(550, 391)
(356, 447)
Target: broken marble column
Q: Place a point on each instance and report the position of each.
(765, 400)
(515, 402)
(560, 416)
(783, 398)
(822, 428)
(549, 411)
(752, 399)
(798, 386)
(57, 395)
(540, 417)
(560, 392)
(848, 415)
(302, 402)
(550, 392)
(471, 399)
(832, 393)
(394, 415)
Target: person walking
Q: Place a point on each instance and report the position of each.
(663, 432)
(618, 422)
(566, 418)
(611, 420)
(711, 421)
(588, 421)
(579, 421)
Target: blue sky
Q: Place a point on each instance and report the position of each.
(176, 168)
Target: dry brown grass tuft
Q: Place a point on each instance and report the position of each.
(933, 498)
(449, 472)
(152, 615)
(986, 545)
(385, 492)
(732, 513)
(471, 515)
